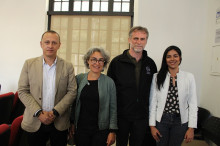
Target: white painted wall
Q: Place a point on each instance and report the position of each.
(188, 24)
(22, 23)
(210, 98)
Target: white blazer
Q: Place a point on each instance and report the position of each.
(187, 99)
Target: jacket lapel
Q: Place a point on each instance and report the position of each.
(59, 68)
(180, 85)
(39, 73)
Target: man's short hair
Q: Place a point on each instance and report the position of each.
(50, 31)
(138, 28)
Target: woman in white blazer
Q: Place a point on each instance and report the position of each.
(173, 102)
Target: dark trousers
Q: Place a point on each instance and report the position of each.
(172, 130)
(91, 137)
(136, 132)
(45, 133)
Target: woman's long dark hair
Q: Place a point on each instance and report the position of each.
(161, 76)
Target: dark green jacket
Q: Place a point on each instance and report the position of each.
(107, 116)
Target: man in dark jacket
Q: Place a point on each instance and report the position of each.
(132, 73)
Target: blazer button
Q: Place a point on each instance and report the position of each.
(39, 98)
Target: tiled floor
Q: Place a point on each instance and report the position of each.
(195, 143)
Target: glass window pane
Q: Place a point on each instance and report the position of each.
(62, 55)
(77, 6)
(82, 49)
(124, 37)
(123, 46)
(117, 7)
(57, 0)
(94, 36)
(74, 59)
(75, 69)
(62, 49)
(115, 36)
(114, 49)
(104, 0)
(103, 24)
(83, 35)
(104, 6)
(125, 7)
(95, 6)
(55, 23)
(103, 45)
(84, 23)
(64, 23)
(76, 23)
(75, 47)
(57, 6)
(85, 6)
(125, 24)
(103, 36)
(63, 35)
(116, 24)
(117, 0)
(75, 35)
(82, 69)
(65, 6)
(126, 0)
(95, 23)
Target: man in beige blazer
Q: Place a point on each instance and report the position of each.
(47, 88)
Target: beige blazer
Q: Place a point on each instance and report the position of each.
(30, 92)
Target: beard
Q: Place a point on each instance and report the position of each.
(139, 50)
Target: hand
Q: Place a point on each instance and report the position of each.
(71, 130)
(189, 135)
(51, 115)
(155, 133)
(110, 139)
(45, 118)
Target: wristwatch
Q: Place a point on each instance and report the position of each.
(55, 112)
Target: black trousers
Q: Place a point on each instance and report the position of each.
(91, 137)
(137, 132)
(45, 133)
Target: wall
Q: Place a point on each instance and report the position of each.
(22, 23)
(210, 84)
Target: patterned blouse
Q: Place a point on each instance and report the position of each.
(172, 102)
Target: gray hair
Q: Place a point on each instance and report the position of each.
(93, 50)
(138, 28)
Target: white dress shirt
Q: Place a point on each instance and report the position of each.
(49, 78)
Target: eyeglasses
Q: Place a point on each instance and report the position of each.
(100, 61)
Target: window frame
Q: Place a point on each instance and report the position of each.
(90, 12)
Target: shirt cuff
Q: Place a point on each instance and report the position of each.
(37, 113)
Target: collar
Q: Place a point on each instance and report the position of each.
(177, 74)
(55, 62)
